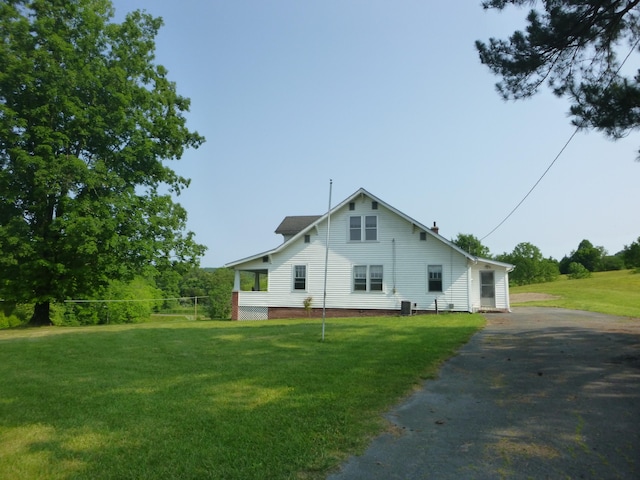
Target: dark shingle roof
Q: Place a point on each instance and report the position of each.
(295, 224)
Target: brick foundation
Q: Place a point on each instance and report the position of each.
(299, 312)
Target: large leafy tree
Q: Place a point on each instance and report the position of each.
(86, 121)
(470, 243)
(576, 47)
(631, 254)
(531, 266)
(588, 255)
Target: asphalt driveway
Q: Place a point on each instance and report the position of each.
(539, 393)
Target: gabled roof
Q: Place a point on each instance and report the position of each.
(295, 224)
(319, 218)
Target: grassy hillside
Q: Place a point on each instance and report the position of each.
(615, 293)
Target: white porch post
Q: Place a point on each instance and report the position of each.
(236, 281)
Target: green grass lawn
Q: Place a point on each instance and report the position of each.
(615, 293)
(197, 400)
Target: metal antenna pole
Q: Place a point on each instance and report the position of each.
(326, 261)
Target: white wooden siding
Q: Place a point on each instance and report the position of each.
(403, 256)
(501, 279)
(399, 250)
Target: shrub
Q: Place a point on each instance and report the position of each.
(9, 321)
(577, 270)
(220, 293)
(307, 305)
(127, 305)
(74, 314)
(133, 310)
(14, 315)
(220, 306)
(612, 262)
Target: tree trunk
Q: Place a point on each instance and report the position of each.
(40, 315)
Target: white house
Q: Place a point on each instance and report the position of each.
(379, 261)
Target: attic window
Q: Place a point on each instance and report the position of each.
(265, 259)
(352, 205)
(363, 228)
(374, 205)
(423, 236)
(307, 239)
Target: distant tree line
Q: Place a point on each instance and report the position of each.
(533, 267)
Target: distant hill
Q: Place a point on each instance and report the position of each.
(616, 293)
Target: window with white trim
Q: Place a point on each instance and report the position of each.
(370, 227)
(363, 227)
(375, 278)
(360, 278)
(355, 229)
(300, 277)
(435, 278)
(367, 278)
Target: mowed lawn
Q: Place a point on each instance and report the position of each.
(614, 293)
(198, 400)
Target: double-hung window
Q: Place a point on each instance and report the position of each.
(355, 229)
(300, 277)
(360, 278)
(435, 278)
(375, 278)
(371, 227)
(363, 228)
(367, 278)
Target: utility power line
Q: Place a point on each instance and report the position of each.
(534, 185)
(635, 45)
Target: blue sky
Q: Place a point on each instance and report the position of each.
(388, 96)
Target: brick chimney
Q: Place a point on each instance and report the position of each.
(435, 228)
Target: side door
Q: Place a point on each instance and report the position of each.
(487, 289)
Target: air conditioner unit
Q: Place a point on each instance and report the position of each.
(405, 308)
